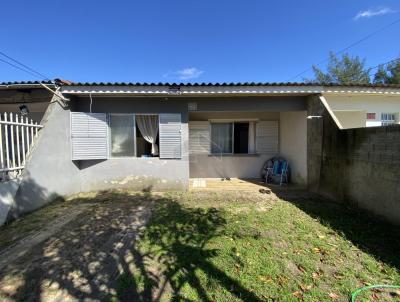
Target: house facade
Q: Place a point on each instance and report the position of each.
(98, 136)
(357, 111)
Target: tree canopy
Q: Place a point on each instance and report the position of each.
(389, 74)
(342, 70)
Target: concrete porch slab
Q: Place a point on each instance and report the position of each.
(232, 184)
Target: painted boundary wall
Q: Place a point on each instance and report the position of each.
(360, 167)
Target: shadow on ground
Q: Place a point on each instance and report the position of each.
(177, 238)
(83, 259)
(369, 233)
(95, 256)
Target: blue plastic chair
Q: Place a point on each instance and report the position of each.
(279, 168)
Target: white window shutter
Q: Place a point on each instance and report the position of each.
(199, 137)
(89, 139)
(170, 135)
(267, 137)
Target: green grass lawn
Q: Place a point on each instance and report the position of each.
(249, 247)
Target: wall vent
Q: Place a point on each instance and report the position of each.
(192, 106)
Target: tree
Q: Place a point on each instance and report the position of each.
(344, 70)
(388, 75)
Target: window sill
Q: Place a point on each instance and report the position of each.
(234, 155)
(134, 157)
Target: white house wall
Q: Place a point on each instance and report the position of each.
(293, 143)
(377, 104)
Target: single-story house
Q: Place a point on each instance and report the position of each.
(157, 136)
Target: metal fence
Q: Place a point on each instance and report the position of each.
(17, 134)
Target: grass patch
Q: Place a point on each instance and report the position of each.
(232, 247)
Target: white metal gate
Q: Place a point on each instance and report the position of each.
(17, 134)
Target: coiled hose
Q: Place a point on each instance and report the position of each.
(361, 289)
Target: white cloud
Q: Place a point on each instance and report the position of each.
(185, 73)
(373, 12)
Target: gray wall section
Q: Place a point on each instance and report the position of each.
(136, 173)
(360, 167)
(282, 103)
(238, 166)
(36, 100)
(314, 141)
(204, 104)
(49, 171)
(8, 190)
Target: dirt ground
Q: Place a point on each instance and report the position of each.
(72, 250)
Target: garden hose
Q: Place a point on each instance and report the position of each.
(361, 289)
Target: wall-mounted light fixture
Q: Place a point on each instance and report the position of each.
(311, 117)
(23, 109)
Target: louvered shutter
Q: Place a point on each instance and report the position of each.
(170, 135)
(89, 138)
(267, 137)
(199, 137)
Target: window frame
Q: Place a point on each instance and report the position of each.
(135, 134)
(386, 121)
(232, 122)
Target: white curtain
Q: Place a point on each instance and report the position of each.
(148, 126)
(221, 138)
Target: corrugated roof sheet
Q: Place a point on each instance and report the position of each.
(70, 83)
(25, 83)
(227, 84)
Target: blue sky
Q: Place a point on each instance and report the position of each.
(190, 40)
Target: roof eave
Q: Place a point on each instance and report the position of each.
(224, 90)
(24, 86)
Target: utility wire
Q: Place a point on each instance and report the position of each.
(27, 68)
(20, 68)
(347, 48)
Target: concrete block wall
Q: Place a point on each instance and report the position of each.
(356, 166)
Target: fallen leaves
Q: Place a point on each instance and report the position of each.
(318, 274)
(301, 269)
(305, 288)
(319, 250)
(297, 294)
(338, 275)
(265, 279)
(334, 296)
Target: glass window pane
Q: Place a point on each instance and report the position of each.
(241, 138)
(221, 138)
(122, 135)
